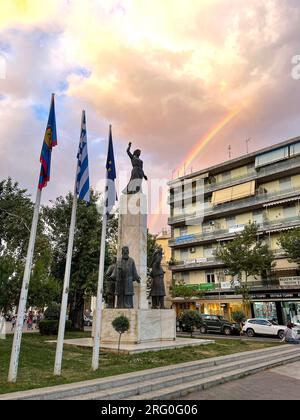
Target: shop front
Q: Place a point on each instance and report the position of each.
(281, 307)
(225, 307)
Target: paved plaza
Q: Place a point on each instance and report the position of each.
(281, 383)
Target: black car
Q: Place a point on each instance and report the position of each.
(218, 324)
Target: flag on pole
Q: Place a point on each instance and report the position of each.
(109, 200)
(110, 175)
(50, 140)
(83, 179)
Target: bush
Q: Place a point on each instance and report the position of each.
(50, 326)
(239, 317)
(52, 312)
(121, 324)
(191, 319)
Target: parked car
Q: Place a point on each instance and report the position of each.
(88, 321)
(218, 324)
(262, 326)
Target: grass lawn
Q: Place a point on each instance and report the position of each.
(37, 360)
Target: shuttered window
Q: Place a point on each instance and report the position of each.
(272, 156)
(234, 193)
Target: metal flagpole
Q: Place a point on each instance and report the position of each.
(97, 334)
(64, 302)
(14, 359)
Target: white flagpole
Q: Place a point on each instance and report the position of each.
(65, 294)
(97, 334)
(14, 359)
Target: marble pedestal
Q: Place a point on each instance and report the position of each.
(145, 325)
(133, 233)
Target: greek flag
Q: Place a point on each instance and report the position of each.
(83, 181)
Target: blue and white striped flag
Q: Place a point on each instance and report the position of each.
(83, 180)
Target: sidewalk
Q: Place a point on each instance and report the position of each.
(281, 383)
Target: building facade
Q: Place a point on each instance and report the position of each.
(261, 187)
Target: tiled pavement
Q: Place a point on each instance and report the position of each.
(282, 383)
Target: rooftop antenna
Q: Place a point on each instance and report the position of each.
(229, 152)
(247, 144)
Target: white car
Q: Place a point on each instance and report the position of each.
(262, 326)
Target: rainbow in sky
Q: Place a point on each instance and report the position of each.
(191, 156)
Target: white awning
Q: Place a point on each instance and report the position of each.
(287, 200)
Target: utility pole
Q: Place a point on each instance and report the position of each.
(229, 152)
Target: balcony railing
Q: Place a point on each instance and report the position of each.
(259, 198)
(195, 263)
(217, 234)
(254, 174)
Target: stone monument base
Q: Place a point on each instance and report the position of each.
(146, 325)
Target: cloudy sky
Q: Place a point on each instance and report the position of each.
(163, 73)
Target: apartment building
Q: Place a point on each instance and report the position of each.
(261, 187)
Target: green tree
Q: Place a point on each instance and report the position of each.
(191, 320)
(85, 261)
(9, 283)
(246, 255)
(290, 242)
(16, 209)
(239, 317)
(185, 291)
(121, 324)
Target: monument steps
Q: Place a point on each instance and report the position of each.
(205, 376)
(166, 382)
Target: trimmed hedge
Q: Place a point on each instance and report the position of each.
(50, 327)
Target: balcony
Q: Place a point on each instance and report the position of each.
(288, 165)
(215, 234)
(252, 202)
(192, 264)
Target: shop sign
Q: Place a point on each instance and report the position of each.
(184, 238)
(258, 296)
(289, 281)
(226, 285)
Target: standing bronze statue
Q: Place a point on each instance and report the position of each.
(110, 286)
(137, 174)
(158, 291)
(125, 274)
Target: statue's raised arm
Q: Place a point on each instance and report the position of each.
(137, 174)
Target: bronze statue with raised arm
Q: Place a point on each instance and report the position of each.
(137, 174)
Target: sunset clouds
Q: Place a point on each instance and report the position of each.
(162, 72)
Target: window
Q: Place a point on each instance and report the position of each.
(230, 222)
(258, 217)
(184, 253)
(285, 183)
(236, 192)
(262, 322)
(272, 156)
(226, 176)
(289, 211)
(208, 252)
(186, 277)
(210, 278)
